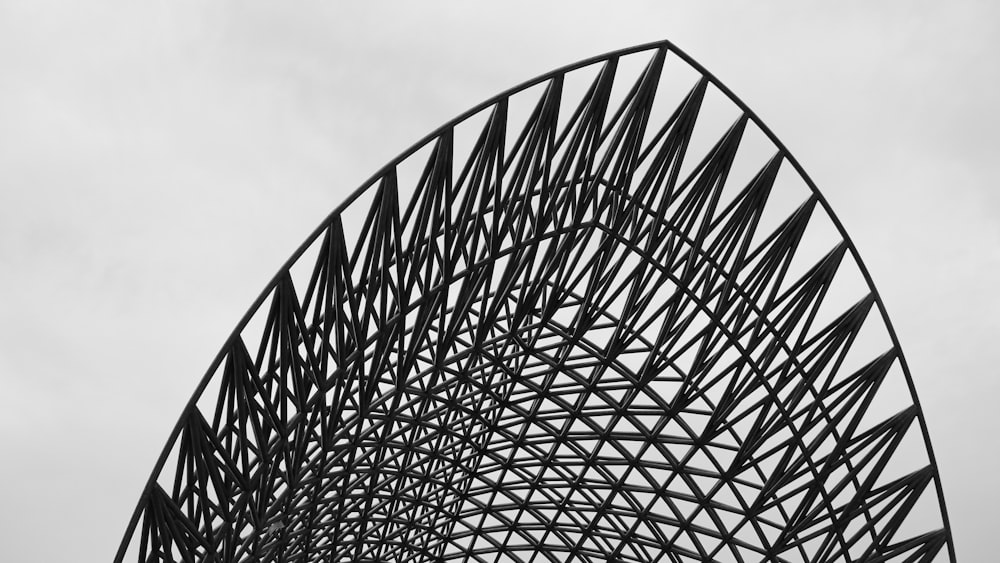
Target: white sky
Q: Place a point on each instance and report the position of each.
(160, 160)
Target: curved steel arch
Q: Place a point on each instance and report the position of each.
(573, 332)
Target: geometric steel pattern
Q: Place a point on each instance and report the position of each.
(603, 316)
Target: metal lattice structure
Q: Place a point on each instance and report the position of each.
(603, 316)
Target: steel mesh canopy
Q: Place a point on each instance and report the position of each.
(603, 316)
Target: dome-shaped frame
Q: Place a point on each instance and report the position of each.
(603, 316)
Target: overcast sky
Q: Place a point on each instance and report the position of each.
(160, 160)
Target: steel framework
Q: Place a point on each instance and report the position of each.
(603, 316)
